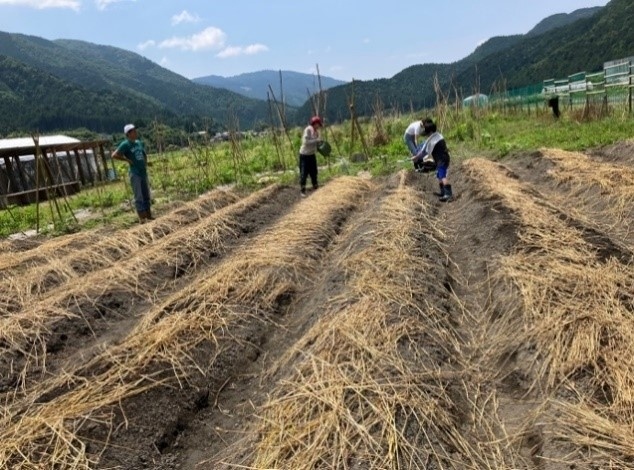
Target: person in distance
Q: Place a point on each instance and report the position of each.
(311, 139)
(132, 151)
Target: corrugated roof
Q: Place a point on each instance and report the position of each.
(26, 142)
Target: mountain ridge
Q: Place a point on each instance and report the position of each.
(116, 85)
(255, 84)
(511, 61)
(100, 68)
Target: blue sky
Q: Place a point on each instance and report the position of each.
(348, 39)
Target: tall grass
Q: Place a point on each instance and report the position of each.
(186, 173)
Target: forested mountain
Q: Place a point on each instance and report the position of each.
(562, 19)
(31, 99)
(56, 85)
(581, 46)
(256, 84)
(558, 46)
(134, 87)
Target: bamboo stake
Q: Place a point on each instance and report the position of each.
(355, 124)
(351, 107)
(282, 94)
(320, 104)
(52, 200)
(330, 135)
(64, 192)
(276, 141)
(282, 117)
(37, 187)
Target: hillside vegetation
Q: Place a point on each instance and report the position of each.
(45, 85)
(558, 46)
(583, 46)
(562, 19)
(143, 89)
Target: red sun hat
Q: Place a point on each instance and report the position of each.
(315, 120)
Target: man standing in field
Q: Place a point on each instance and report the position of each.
(132, 151)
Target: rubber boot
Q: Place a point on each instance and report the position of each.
(143, 218)
(448, 194)
(441, 191)
(149, 214)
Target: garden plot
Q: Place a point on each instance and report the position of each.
(19, 289)
(78, 312)
(188, 334)
(592, 188)
(379, 381)
(560, 319)
(64, 250)
(367, 326)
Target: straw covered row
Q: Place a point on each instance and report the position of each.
(570, 309)
(140, 276)
(19, 288)
(246, 287)
(379, 382)
(605, 189)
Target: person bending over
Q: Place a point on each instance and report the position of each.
(436, 146)
(412, 133)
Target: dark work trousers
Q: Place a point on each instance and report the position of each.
(141, 190)
(307, 167)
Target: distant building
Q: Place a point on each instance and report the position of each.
(478, 99)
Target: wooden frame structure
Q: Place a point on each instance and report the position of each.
(66, 168)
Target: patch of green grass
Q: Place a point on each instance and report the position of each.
(183, 174)
(505, 134)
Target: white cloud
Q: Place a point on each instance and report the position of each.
(366, 41)
(164, 61)
(255, 49)
(144, 45)
(185, 17)
(336, 68)
(103, 4)
(210, 38)
(482, 41)
(43, 4)
(234, 51)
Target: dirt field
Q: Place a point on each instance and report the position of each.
(367, 326)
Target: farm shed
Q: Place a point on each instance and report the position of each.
(66, 164)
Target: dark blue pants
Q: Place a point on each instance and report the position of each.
(307, 167)
(141, 190)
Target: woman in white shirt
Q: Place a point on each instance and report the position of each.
(413, 131)
(307, 154)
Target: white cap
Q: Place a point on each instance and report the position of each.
(127, 128)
